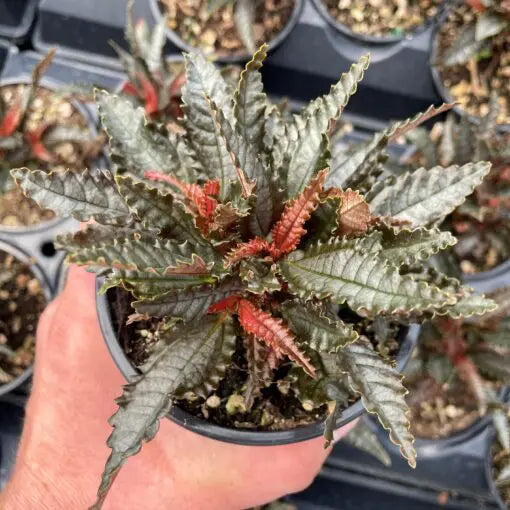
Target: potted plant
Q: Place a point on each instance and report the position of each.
(228, 29)
(470, 57)
(458, 370)
(41, 129)
(152, 81)
(236, 310)
(384, 21)
(481, 224)
(24, 293)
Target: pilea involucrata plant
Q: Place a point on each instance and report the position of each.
(242, 228)
(152, 81)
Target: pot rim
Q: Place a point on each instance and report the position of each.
(230, 59)
(443, 92)
(496, 272)
(373, 39)
(40, 274)
(231, 435)
(52, 85)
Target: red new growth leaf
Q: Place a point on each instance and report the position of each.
(273, 332)
(477, 5)
(175, 87)
(243, 250)
(228, 304)
(11, 120)
(289, 230)
(150, 95)
(201, 199)
(129, 89)
(39, 150)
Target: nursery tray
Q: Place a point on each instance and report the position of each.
(16, 18)
(311, 58)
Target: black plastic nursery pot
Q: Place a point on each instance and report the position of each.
(441, 88)
(175, 39)
(16, 18)
(409, 338)
(372, 39)
(5, 49)
(46, 286)
(12, 411)
(489, 472)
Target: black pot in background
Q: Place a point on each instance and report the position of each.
(237, 436)
(230, 59)
(41, 275)
(11, 419)
(16, 17)
(438, 81)
(366, 39)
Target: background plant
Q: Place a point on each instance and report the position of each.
(152, 81)
(482, 222)
(22, 145)
(206, 229)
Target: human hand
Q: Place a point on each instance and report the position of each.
(63, 451)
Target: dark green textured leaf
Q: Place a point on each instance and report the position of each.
(317, 331)
(205, 85)
(194, 359)
(189, 305)
(382, 393)
(91, 194)
(493, 364)
(159, 210)
(136, 144)
(344, 271)
(411, 246)
(426, 196)
(250, 101)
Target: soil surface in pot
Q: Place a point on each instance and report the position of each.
(382, 18)
(48, 108)
(491, 73)
(22, 300)
(216, 33)
(439, 412)
(277, 408)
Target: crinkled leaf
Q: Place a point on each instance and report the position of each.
(310, 152)
(273, 332)
(195, 358)
(190, 304)
(250, 101)
(156, 209)
(317, 331)
(411, 246)
(135, 143)
(489, 24)
(382, 393)
(346, 272)
(91, 194)
(244, 19)
(204, 85)
(425, 196)
(259, 277)
(287, 233)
